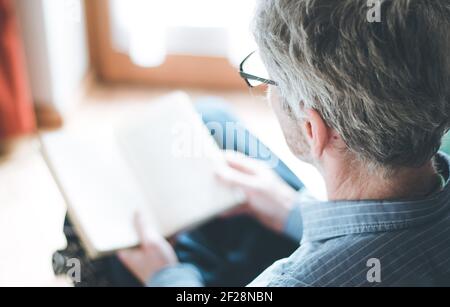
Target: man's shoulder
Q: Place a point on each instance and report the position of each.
(340, 261)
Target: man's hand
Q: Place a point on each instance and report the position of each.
(154, 253)
(268, 198)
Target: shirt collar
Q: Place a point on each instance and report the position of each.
(325, 220)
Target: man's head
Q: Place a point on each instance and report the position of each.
(376, 91)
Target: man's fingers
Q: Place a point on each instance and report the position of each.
(128, 256)
(124, 255)
(146, 235)
(240, 210)
(242, 163)
(235, 179)
(139, 225)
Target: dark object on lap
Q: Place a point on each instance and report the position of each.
(104, 272)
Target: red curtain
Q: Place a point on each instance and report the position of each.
(16, 111)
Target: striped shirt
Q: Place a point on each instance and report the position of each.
(371, 243)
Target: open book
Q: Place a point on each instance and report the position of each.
(162, 164)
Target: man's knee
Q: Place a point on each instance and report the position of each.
(215, 109)
(221, 121)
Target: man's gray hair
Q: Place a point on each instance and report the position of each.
(383, 86)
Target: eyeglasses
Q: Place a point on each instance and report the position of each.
(253, 71)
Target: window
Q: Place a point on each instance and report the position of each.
(171, 42)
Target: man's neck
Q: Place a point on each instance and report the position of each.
(345, 182)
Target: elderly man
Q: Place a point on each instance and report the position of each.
(366, 102)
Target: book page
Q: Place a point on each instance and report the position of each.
(174, 157)
(101, 193)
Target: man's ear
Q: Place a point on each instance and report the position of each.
(317, 132)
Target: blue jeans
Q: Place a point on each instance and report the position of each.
(228, 251)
